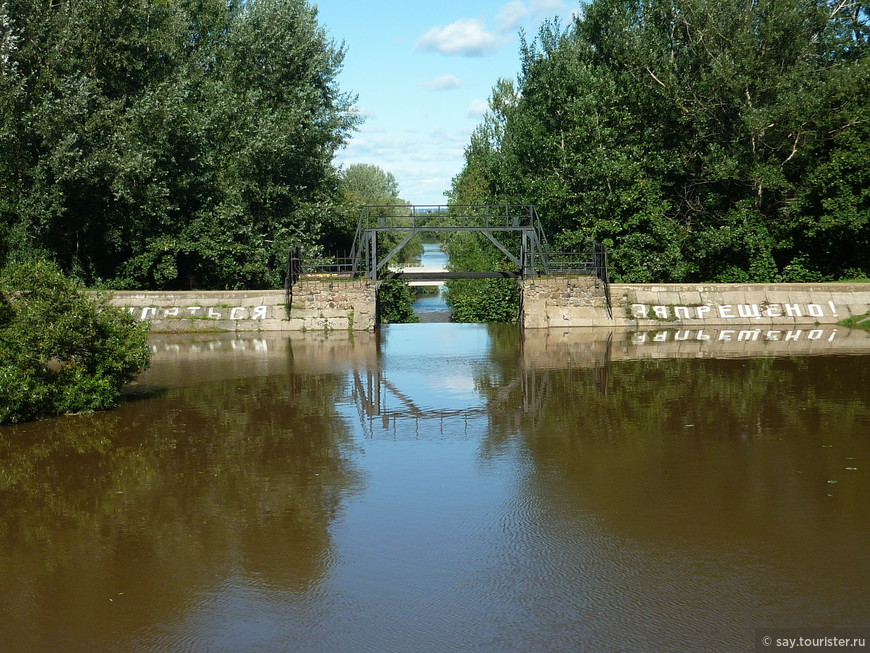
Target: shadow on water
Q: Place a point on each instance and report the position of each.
(133, 393)
(122, 520)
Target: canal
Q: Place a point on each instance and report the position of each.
(432, 306)
(447, 487)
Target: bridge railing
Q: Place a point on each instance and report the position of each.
(398, 216)
(299, 267)
(592, 261)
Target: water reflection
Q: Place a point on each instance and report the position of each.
(446, 487)
(139, 516)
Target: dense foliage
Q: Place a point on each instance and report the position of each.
(62, 351)
(701, 140)
(167, 144)
(396, 302)
(479, 300)
(366, 185)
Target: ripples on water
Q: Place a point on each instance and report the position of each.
(447, 488)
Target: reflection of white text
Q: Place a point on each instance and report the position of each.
(733, 311)
(200, 312)
(734, 335)
(258, 345)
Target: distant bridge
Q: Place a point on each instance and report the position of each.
(514, 229)
(433, 276)
(419, 275)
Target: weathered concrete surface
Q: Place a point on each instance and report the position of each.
(557, 302)
(549, 303)
(340, 305)
(316, 305)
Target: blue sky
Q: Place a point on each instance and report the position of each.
(423, 72)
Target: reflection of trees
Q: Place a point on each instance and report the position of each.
(724, 448)
(242, 476)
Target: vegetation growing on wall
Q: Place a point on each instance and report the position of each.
(62, 351)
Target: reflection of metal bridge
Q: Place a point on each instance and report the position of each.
(371, 388)
(418, 275)
(376, 397)
(517, 384)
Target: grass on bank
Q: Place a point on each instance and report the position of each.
(857, 322)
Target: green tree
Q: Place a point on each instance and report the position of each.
(363, 184)
(699, 140)
(62, 351)
(480, 300)
(168, 144)
(395, 302)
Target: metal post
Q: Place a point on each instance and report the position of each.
(373, 256)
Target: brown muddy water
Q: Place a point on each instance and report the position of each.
(444, 487)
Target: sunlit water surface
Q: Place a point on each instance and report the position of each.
(432, 307)
(442, 487)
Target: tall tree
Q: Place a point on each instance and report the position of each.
(363, 184)
(169, 144)
(701, 140)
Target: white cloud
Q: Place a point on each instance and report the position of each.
(363, 112)
(511, 16)
(543, 6)
(477, 108)
(443, 83)
(423, 163)
(468, 37)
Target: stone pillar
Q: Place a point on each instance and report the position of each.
(554, 302)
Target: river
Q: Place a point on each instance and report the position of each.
(446, 487)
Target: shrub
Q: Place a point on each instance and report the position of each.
(396, 302)
(62, 350)
(483, 300)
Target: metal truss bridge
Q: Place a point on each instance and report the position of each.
(514, 229)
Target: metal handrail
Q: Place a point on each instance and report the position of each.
(384, 216)
(300, 267)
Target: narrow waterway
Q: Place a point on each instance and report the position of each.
(433, 307)
(447, 487)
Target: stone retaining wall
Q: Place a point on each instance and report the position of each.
(551, 302)
(556, 302)
(315, 306)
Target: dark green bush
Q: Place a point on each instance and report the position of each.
(396, 302)
(62, 350)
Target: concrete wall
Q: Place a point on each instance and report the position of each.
(549, 303)
(557, 302)
(316, 306)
